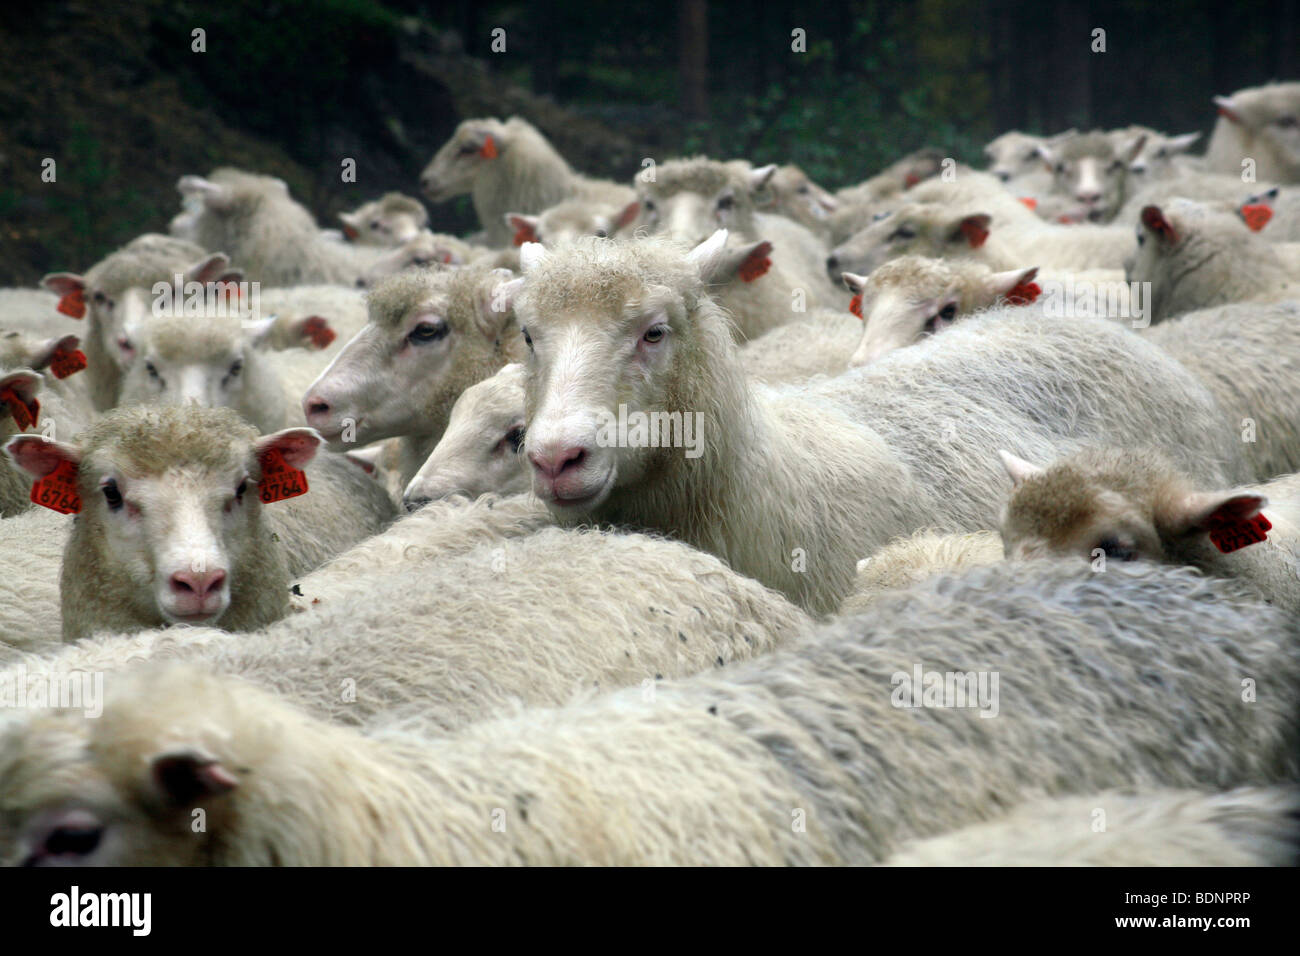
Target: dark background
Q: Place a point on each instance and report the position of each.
(113, 93)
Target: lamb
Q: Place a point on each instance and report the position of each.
(1261, 124)
(1110, 505)
(276, 241)
(479, 451)
(509, 167)
(391, 220)
(756, 292)
(1195, 256)
(429, 248)
(431, 335)
(790, 193)
(1162, 157)
(1016, 160)
(909, 560)
(170, 527)
(116, 294)
(1250, 826)
(774, 482)
(549, 618)
(820, 753)
(1206, 187)
(690, 199)
(570, 219)
(911, 297)
(1092, 170)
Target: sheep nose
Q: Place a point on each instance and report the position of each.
(201, 584)
(1088, 198)
(832, 264)
(316, 410)
(361, 282)
(553, 462)
(1003, 175)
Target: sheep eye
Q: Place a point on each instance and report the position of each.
(376, 224)
(1141, 237)
(1060, 168)
(152, 370)
(726, 202)
(469, 149)
(1116, 551)
(601, 234)
(99, 297)
(236, 368)
(949, 312)
(903, 232)
(239, 492)
(649, 205)
(515, 438)
(1117, 165)
(1286, 122)
(112, 496)
(427, 332)
(803, 190)
(528, 339)
(655, 334)
(422, 260)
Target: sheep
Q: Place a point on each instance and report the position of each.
(1250, 826)
(790, 193)
(775, 482)
(1195, 256)
(509, 167)
(117, 293)
(911, 297)
(1092, 170)
(273, 238)
(474, 630)
(823, 753)
(170, 526)
(1016, 160)
(689, 199)
(479, 451)
(29, 596)
(1110, 505)
(1261, 124)
(1278, 211)
(1162, 157)
(909, 560)
(816, 343)
(431, 335)
(1194, 184)
(1248, 356)
(568, 220)
(756, 292)
(429, 248)
(34, 311)
(391, 220)
(1003, 239)
(899, 176)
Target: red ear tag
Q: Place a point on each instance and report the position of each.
(67, 362)
(318, 330)
(280, 480)
(489, 150)
(855, 305)
(24, 413)
(1256, 215)
(910, 180)
(523, 234)
(58, 490)
(1024, 293)
(73, 303)
(350, 232)
(1240, 534)
(1029, 201)
(753, 267)
(975, 233)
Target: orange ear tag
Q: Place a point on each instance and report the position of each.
(67, 362)
(1024, 293)
(523, 234)
(58, 490)
(318, 330)
(1256, 215)
(1029, 201)
(910, 180)
(1240, 534)
(25, 413)
(280, 480)
(73, 303)
(975, 233)
(855, 305)
(350, 232)
(489, 150)
(753, 267)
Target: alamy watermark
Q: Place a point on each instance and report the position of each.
(922, 688)
(651, 430)
(80, 690)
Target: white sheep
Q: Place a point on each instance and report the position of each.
(272, 237)
(1162, 157)
(391, 220)
(897, 177)
(29, 598)
(818, 342)
(790, 487)
(432, 334)
(1250, 826)
(480, 450)
(1262, 125)
(791, 193)
(509, 167)
(569, 220)
(1109, 505)
(1092, 170)
(907, 561)
(759, 294)
(821, 753)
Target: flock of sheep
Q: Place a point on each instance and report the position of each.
(952, 518)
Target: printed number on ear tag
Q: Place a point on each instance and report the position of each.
(1234, 537)
(280, 480)
(58, 490)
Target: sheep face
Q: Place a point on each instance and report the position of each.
(691, 199)
(430, 334)
(1267, 119)
(569, 221)
(456, 165)
(424, 249)
(915, 229)
(796, 196)
(1089, 169)
(391, 221)
(612, 331)
(481, 450)
(1120, 505)
(1189, 252)
(1013, 155)
(1156, 159)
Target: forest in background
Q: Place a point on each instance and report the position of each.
(118, 98)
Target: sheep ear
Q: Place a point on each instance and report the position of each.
(628, 216)
(1134, 149)
(1202, 511)
(1155, 220)
(213, 195)
(748, 261)
(1019, 469)
(209, 268)
(1181, 144)
(758, 178)
(1015, 285)
(856, 283)
(706, 254)
(184, 776)
(1048, 156)
(71, 290)
(18, 400)
(351, 227)
(824, 199)
(525, 227)
(297, 446)
(367, 459)
(1227, 109)
(37, 456)
(496, 301)
(532, 255)
(257, 331)
(973, 230)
